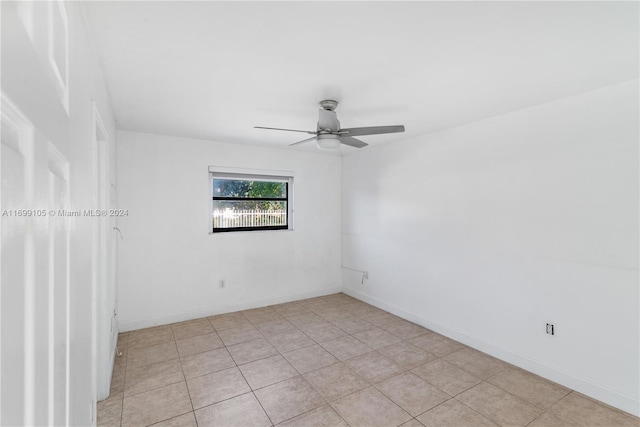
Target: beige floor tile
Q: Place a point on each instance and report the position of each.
(117, 380)
(290, 309)
(110, 411)
(339, 298)
(152, 354)
(374, 367)
(288, 399)
(310, 301)
(119, 362)
(499, 406)
(407, 355)
(548, 420)
(191, 328)
(198, 344)
(583, 411)
(370, 408)
(335, 381)
(479, 364)
(237, 335)
(377, 338)
(148, 383)
(240, 411)
(123, 341)
(314, 306)
(275, 327)
(148, 377)
(436, 344)
(150, 336)
(323, 332)
(333, 313)
(323, 416)
(360, 309)
(208, 362)
(186, 420)
(449, 378)
(264, 372)
(380, 318)
(251, 350)
(307, 319)
(310, 358)
(213, 388)
(261, 315)
(345, 347)
(257, 312)
(454, 414)
(530, 387)
(412, 393)
(351, 325)
(405, 330)
(156, 405)
(290, 341)
(412, 423)
(229, 321)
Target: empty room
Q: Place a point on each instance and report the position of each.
(320, 213)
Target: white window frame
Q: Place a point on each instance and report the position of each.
(258, 175)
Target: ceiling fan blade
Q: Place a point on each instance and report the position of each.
(303, 141)
(347, 140)
(288, 130)
(373, 130)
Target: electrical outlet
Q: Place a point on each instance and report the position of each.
(550, 329)
(222, 284)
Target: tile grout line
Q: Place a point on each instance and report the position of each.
(193, 411)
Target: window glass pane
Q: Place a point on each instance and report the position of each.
(250, 189)
(249, 213)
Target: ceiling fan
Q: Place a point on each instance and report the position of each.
(329, 134)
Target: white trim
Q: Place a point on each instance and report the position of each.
(583, 385)
(59, 166)
(245, 171)
(148, 322)
(102, 372)
(62, 81)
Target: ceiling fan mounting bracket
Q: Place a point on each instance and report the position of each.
(329, 104)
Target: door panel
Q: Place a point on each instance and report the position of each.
(16, 140)
(35, 275)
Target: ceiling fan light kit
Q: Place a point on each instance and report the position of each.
(328, 141)
(329, 135)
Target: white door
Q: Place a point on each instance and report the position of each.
(16, 260)
(34, 261)
(35, 275)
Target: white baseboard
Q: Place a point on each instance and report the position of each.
(132, 325)
(585, 386)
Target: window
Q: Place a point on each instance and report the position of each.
(250, 201)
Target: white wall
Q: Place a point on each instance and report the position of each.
(488, 231)
(59, 321)
(169, 264)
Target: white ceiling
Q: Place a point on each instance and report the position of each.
(213, 70)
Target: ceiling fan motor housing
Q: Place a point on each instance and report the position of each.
(328, 121)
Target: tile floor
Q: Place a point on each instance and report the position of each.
(328, 361)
